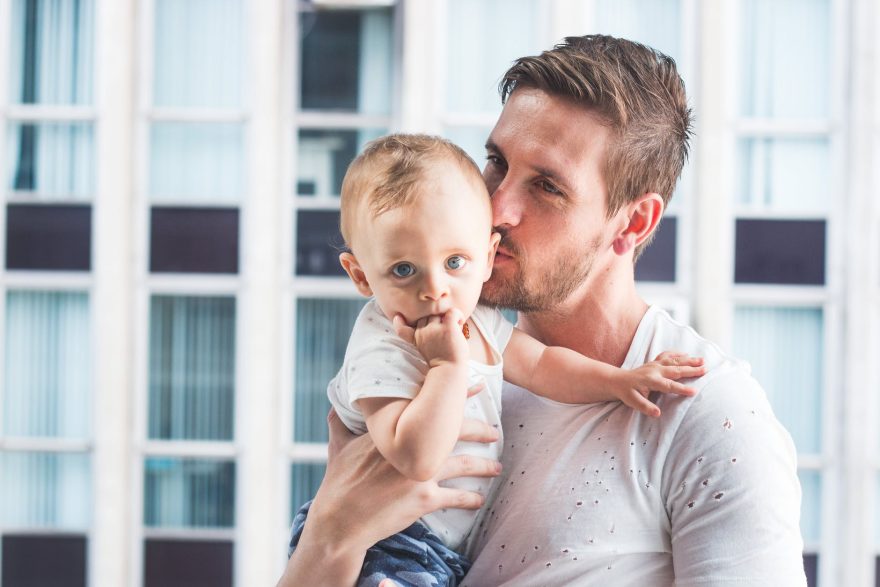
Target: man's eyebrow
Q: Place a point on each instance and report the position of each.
(491, 146)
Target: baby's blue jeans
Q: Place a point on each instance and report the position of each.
(415, 557)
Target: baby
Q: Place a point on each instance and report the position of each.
(417, 219)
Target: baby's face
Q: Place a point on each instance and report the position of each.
(433, 255)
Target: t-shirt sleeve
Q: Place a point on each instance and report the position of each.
(387, 366)
(732, 492)
(496, 324)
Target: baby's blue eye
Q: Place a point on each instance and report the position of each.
(403, 269)
(455, 262)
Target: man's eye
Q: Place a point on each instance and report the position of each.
(455, 262)
(403, 269)
(494, 160)
(548, 187)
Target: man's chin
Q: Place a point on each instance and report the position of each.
(496, 291)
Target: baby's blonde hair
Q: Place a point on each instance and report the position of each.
(387, 173)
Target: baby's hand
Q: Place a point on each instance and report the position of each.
(633, 387)
(438, 338)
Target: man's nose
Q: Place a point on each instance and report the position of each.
(506, 205)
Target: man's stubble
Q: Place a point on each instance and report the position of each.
(533, 289)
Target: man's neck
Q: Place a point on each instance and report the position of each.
(599, 320)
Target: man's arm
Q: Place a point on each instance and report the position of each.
(363, 499)
(731, 490)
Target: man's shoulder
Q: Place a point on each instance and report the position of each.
(727, 391)
(666, 333)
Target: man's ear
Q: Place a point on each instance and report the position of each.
(493, 248)
(350, 263)
(642, 218)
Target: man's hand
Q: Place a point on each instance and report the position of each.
(377, 501)
(364, 499)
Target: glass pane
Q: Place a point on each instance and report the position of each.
(52, 160)
(483, 40)
(346, 60)
(192, 368)
(657, 262)
(322, 331)
(785, 347)
(189, 493)
(45, 490)
(33, 560)
(193, 240)
(790, 175)
(785, 58)
(51, 52)
(324, 156)
(305, 479)
(471, 139)
(318, 243)
(198, 51)
(780, 251)
(49, 237)
(811, 507)
(196, 162)
(188, 563)
(48, 360)
(655, 23)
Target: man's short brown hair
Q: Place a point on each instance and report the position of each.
(636, 90)
(386, 174)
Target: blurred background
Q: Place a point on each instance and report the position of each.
(171, 306)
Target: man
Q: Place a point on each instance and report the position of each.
(581, 164)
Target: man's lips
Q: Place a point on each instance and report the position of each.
(502, 256)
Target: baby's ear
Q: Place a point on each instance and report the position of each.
(350, 263)
(494, 240)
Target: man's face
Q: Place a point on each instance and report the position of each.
(543, 172)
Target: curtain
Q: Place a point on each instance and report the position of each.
(191, 368)
(198, 51)
(45, 490)
(189, 493)
(47, 379)
(53, 160)
(791, 175)
(785, 58)
(305, 479)
(376, 56)
(811, 505)
(52, 50)
(483, 39)
(785, 348)
(196, 162)
(322, 331)
(655, 23)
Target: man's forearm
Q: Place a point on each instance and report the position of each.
(318, 562)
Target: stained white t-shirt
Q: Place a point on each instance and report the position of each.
(378, 363)
(600, 494)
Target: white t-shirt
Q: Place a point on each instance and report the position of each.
(378, 363)
(600, 494)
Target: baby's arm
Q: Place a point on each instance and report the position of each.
(567, 376)
(416, 435)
